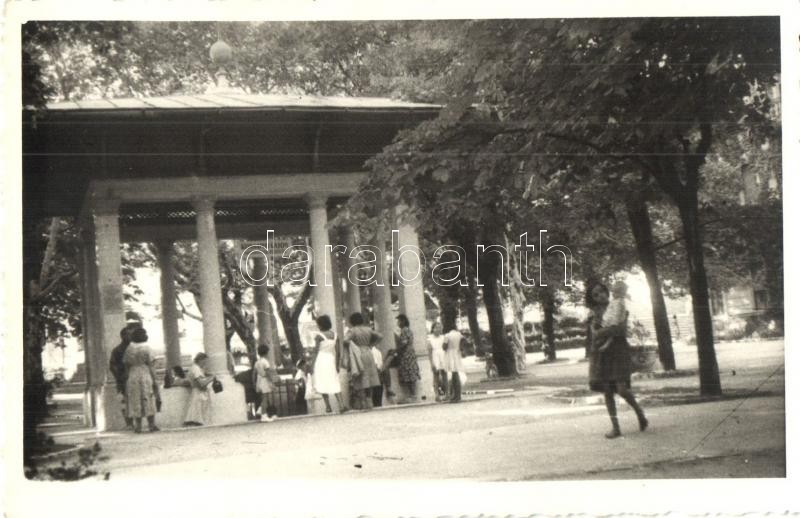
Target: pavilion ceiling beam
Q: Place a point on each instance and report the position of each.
(250, 231)
(252, 187)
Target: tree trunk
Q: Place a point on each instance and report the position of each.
(548, 323)
(292, 333)
(448, 307)
(517, 300)
(289, 318)
(471, 309)
(34, 388)
(240, 326)
(642, 230)
(698, 287)
(501, 349)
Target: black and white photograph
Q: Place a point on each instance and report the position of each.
(401, 250)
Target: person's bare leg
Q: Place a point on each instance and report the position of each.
(327, 401)
(629, 398)
(264, 406)
(342, 407)
(455, 390)
(137, 426)
(611, 406)
(151, 423)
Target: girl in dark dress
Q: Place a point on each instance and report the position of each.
(610, 369)
(408, 371)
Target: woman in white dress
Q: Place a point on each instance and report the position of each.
(453, 364)
(198, 412)
(437, 354)
(325, 377)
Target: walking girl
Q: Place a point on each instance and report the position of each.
(609, 359)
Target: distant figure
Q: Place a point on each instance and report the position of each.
(198, 412)
(453, 363)
(610, 368)
(437, 355)
(377, 390)
(363, 371)
(117, 367)
(263, 383)
(408, 371)
(143, 397)
(300, 403)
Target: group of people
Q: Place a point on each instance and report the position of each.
(132, 364)
(367, 370)
(445, 354)
(359, 362)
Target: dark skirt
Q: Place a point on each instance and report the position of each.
(408, 371)
(611, 368)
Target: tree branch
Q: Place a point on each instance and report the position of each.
(301, 301)
(695, 160)
(52, 285)
(186, 312)
(49, 251)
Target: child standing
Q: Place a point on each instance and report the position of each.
(300, 403)
(377, 390)
(263, 383)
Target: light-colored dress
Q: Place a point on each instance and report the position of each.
(362, 338)
(437, 352)
(326, 379)
(141, 398)
(452, 361)
(263, 383)
(199, 409)
(615, 314)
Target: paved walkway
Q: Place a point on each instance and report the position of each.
(519, 437)
(524, 435)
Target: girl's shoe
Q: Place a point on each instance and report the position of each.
(155, 429)
(613, 434)
(265, 419)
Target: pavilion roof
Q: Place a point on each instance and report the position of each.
(236, 100)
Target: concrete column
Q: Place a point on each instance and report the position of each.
(414, 308)
(264, 313)
(90, 324)
(324, 295)
(229, 405)
(353, 294)
(210, 290)
(109, 307)
(169, 310)
(384, 315)
(322, 262)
